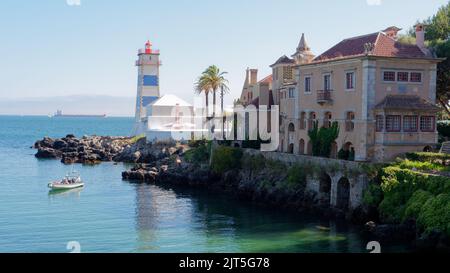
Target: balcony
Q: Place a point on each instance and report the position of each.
(324, 96)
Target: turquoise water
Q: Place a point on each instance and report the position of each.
(111, 215)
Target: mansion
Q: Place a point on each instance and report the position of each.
(381, 92)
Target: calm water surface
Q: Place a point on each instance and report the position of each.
(111, 215)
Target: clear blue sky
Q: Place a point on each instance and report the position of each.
(50, 48)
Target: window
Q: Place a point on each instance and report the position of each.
(349, 122)
(308, 84)
(389, 76)
(275, 71)
(303, 121)
(410, 123)
(379, 123)
(327, 120)
(402, 76)
(393, 123)
(327, 82)
(427, 123)
(350, 80)
(311, 120)
(291, 92)
(415, 77)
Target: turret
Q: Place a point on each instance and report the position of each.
(303, 53)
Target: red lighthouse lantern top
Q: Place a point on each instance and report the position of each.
(148, 47)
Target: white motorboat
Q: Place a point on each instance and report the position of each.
(71, 181)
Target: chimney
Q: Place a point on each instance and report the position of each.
(247, 77)
(420, 36)
(253, 76)
(392, 32)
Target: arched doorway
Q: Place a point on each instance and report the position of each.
(343, 193)
(428, 149)
(291, 148)
(348, 152)
(324, 189)
(301, 147)
(291, 134)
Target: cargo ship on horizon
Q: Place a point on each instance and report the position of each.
(59, 114)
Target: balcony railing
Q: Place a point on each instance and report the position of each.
(324, 96)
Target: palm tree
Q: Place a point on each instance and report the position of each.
(201, 86)
(214, 79)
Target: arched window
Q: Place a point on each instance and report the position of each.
(327, 119)
(350, 121)
(302, 121)
(311, 120)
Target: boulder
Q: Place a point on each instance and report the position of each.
(47, 153)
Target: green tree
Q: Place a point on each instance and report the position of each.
(212, 80)
(322, 139)
(438, 34)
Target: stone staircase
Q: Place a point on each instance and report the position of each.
(445, 149)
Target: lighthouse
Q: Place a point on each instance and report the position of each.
(147, 86)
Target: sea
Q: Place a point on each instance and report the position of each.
(111, 215)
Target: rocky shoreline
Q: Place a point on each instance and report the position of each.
(96, 149)
(164, 163)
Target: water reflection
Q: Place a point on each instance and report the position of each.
(69, 193)
(198, 221)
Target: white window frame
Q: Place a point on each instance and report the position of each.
(291, 96)
(310, 85)
(353, 79)
(396, 71)
(323, 82)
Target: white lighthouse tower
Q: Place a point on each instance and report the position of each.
(148, 85)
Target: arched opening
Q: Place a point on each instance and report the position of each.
(347, 152)
(327, 119)
(428, 149)
(291, 148)
(311, 120)
(334, 150)
(350, 121)
(301, 147)
(325, 189)
(309, 148)
(343, 193)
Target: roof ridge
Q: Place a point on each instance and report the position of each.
(360, 36)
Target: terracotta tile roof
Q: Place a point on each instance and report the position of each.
(267, 79)
(283, 60)
(384, 46)
(406, 102)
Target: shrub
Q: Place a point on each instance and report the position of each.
(257, 162)
(197, 155)
(415, 204)
(437, 158)
(226, 158)
(373, 195)
(435, 214)
(296, 177)
(420, 165)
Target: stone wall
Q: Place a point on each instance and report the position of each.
(346, 179)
